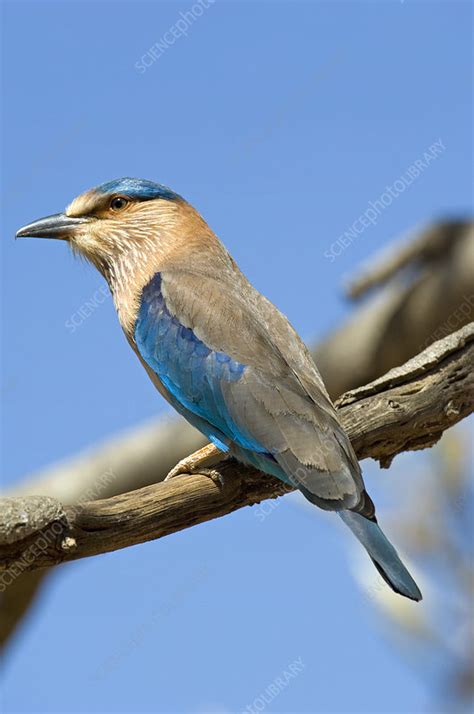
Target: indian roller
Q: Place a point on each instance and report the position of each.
(221, 354)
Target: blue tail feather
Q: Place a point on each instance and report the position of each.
(383, 554)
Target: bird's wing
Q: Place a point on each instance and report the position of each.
(234, 362)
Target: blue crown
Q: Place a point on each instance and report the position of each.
(140, 189)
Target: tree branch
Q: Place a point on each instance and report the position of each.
(408, 408)
(434, 298)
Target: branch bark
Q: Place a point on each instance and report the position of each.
(408, 408)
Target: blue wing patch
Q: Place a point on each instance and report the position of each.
(191, 372)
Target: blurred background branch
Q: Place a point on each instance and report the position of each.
(425, 293)
(441, 636)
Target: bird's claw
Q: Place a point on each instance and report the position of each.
(199, 463)
(213, 475)
(181, 469)
(186, 469)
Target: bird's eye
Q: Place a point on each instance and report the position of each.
(118, 203)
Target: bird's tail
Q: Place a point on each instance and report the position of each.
(383, 554)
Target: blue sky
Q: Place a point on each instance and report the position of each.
(280, 122)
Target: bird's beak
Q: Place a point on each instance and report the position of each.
(57, 226)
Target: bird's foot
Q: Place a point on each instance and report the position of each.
(198, 463)
(211, 473)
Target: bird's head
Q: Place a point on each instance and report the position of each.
(130, 229)
(124, 220)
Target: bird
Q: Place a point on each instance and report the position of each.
(219, 352)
